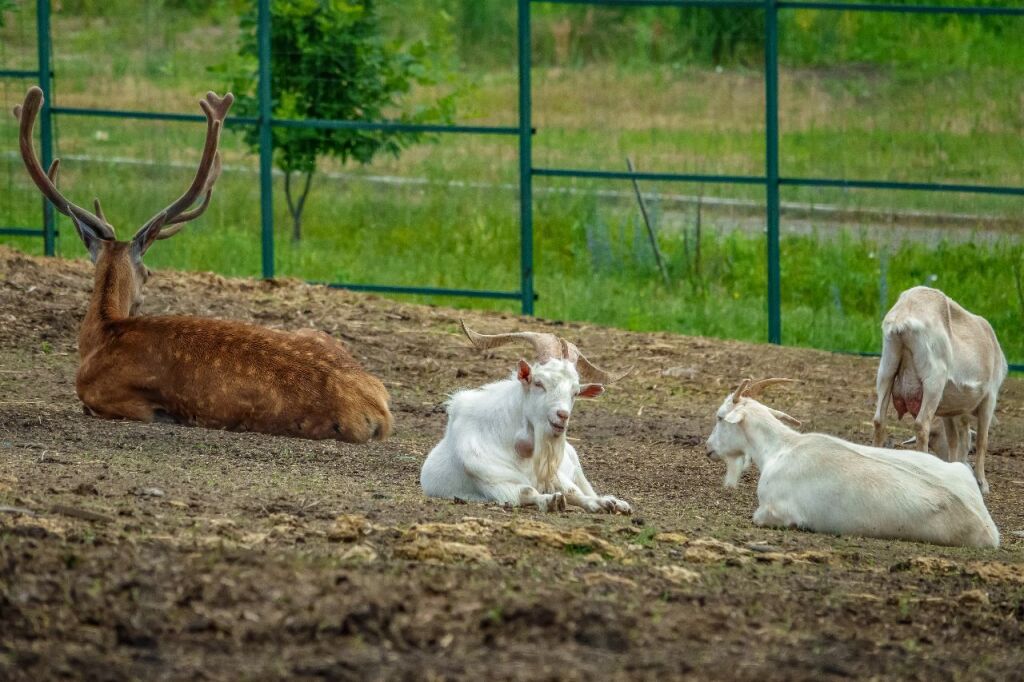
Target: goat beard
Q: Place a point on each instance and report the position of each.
(547, 458)
(734, 468)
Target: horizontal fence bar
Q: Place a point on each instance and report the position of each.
(793, 182)
(321, 124)
(798, 4)
(21, 232)
(147, 115)
(911, 186)
(391, 125)
(422, 291)
(900, 9)
(15, 73)
(655, 177)
(752, 4)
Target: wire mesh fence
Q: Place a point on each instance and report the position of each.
(802, 162)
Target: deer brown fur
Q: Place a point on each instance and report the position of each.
(207, 372)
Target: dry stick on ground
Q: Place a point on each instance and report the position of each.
(79, 513)
(17, 510)
(647, 222)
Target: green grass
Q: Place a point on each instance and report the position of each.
(593, 261)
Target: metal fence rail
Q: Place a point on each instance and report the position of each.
(772, 180)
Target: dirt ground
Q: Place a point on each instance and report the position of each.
(158, 551)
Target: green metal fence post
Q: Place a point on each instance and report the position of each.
(771, 100)
(266, 142)
(525, 161)
(45, 117)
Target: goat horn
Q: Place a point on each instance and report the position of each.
(547, 346)
(738, 393)
(757, 388)
(591, 373)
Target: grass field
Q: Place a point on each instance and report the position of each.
(409, 221)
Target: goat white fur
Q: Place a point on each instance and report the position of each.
(828, 485)
(939, 360)
(506, 442)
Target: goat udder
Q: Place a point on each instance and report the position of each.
(907, 393)
(910, 403)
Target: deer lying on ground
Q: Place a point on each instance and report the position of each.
(828, 485)
(505, 442)
(939, 360)
(207, 372)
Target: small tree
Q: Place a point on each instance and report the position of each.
(330, 61)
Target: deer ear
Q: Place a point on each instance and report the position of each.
(144, 238)
(591, 390)
(92, 240)
(524, 372)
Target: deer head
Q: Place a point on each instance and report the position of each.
(125, 258)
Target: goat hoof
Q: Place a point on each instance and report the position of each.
(613, 505)
(556, 503)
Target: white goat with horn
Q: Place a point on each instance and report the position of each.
(505, 441)
(828, 485)
(939, 360)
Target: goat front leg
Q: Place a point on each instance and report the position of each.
(931, 394)
(887, 369)
(596, 503)
(546, 502)
(579, 492)
(985, 410)
(515, 490)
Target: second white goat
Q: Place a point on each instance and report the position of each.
(829, 485)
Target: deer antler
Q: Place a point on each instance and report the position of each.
(173, 218)
(47, 181)
(547, 346)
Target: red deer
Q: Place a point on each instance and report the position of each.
(207, 372)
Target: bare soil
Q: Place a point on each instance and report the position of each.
(159, 551)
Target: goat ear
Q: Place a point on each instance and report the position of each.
(785, 418)
(92, 240)
(734, 416)
(524, 372)
(591, 390)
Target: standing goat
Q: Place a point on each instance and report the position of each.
(939, 360)
(828, 485)
(505, 441)
(213, 373)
